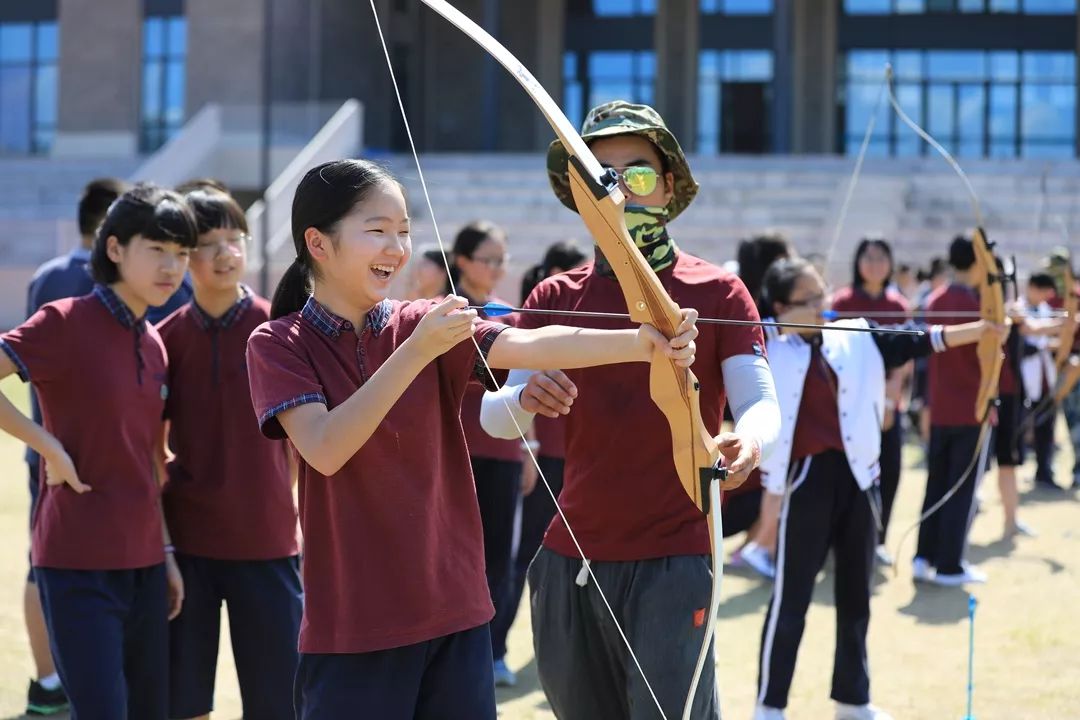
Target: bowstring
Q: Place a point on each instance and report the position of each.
(491, 375)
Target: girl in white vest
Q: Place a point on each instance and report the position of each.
(831, 391)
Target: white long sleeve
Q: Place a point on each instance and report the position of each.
(495, 419)
(747, 380)
(751, 394)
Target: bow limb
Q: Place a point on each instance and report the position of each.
(987, 276)
(675, 390)
(991, 309)
(1068, 330)
(987, 280)
(600, 203)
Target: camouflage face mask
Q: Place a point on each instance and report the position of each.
(648, 228)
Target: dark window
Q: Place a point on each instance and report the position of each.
(28, 86)
(163, 78)
(976, 103)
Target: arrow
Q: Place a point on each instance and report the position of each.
(493, 309)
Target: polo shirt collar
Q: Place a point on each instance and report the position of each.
(333, 325)
(207, 321)
(118, 309)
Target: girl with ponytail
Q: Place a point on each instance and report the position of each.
(369, 390)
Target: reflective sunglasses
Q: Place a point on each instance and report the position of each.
(639, 179)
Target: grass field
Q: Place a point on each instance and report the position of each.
(1027, 658)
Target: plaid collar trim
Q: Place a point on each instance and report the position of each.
(118, 309)
(333, 325)
(206, 321)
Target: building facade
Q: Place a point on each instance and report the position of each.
(990, 78)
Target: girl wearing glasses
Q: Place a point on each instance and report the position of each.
(831, 390)
(645, 539)
(228, 500)
(369, 391)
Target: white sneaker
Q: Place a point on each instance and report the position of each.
(883, 557)
(759, 559)
(860, 712)
(970, 574)
(764, 712)
(921, 570)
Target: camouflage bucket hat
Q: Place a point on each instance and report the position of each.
(1058, 257)
(622, 118)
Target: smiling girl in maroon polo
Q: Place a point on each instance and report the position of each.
(369, 392)
(107, 585)
(229, 500)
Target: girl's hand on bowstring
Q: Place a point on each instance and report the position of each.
(444, 326)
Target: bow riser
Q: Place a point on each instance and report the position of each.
(675, 390)
(991, 309)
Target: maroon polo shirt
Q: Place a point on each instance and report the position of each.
(855, 299)
(551, 434)
(229, 494)
(482, 445)
(817, 428)
(621, 493)
(393, 546)
(100, 375)
(954, 375)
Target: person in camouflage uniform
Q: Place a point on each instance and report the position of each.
(647, 543)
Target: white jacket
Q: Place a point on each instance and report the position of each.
(860, 374)
(1039, 366)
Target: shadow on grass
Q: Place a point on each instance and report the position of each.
(935, 605)
(1006, 547)
(528, 681)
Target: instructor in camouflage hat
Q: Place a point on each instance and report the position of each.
(622, 118)
(647, 542)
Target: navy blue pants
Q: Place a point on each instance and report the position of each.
(943, 535)
(34, 470)
(537, 509)
(265, 604)
(108, 631)
(448, 678)
(498, 487)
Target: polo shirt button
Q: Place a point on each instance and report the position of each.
(848, 438)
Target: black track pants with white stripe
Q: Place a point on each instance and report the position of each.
(823, 510)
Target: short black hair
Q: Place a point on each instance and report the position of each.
(1042, 280)
(146, 210)
(94, 202)
(961, 253)
(216, 210)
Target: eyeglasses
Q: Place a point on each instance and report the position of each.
(812, 301)
(639, 179)
(492, 262)
(233, 246)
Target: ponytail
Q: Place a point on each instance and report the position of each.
(291, 292)
(325, 195)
